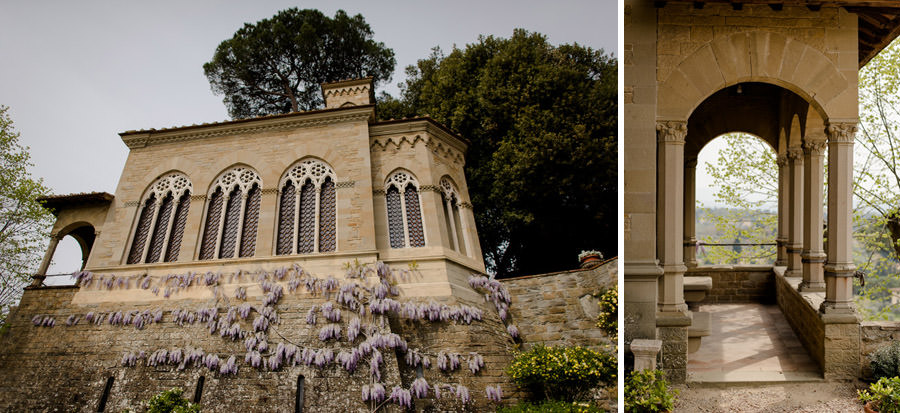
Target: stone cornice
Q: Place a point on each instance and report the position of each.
(436, 137)
(140, 139)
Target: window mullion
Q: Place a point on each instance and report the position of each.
(240, 227)
(157, 205)
(172, 218)
(452, 221)
(316, 220)
(221, 230)
(297, 188)
(403, 214)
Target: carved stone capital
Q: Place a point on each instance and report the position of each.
(781, 160)
(795, 155)
(841, 132)
(671, 131)
(814, 147)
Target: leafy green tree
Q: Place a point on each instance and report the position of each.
(24, 223)
(745, 176)
(542, 163)
(278, 64)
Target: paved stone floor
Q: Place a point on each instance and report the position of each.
(750, 343)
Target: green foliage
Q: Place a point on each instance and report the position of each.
(608, 319)
(541, 168)
(24, 223)
(550, 406)
(562, 373)
(883, 394)
(885, 361)
(170, 401)
(746, 178)
(278, 64)
(648, 391)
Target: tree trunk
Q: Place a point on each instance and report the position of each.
(893, 225)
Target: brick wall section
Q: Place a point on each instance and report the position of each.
(802, 315)
(65, 368)
(738, 284)
(558, 308)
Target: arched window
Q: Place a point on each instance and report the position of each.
(162, 218)
(450, 196)
(306, 209)
(403, 210)
(232, 216)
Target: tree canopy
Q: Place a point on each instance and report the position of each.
(542, 163)
(24, 223)
(278, 64)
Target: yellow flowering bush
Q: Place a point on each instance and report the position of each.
(563, 373)
(608, 319)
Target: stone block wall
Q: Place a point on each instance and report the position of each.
(801, 311)
(738, 284)
(560, 308)
(66, 368)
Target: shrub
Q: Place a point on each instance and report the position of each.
(550, 406)
(648, 391)
(608, 319)
(883, 394)
(170, 401)
(886, 361)
(563, 373)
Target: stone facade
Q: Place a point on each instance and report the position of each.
(64, 362)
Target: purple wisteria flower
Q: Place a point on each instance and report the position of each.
(375, 364)
(240, 293)
(512, 330)
(475, 362)
(401, 397)
(159, 357)
(419, 388)
(72, 320)
(211, 361)
(353, 329)
(331, 331)
(311, 316)
(229, 367)
(244, 310)
(462, 392)
(494, 394)
(253, 358)
(89, 317)
(375, 392)
(349, 360)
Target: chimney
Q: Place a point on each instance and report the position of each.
(348, 93)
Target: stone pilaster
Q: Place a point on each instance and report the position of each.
(812, 256)
(690, 213)
(45, 263)
(839, 268)
(795, 212)
(670, 213)
(782, 239)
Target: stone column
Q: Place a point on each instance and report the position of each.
(839, 268)
(670, 213)
(812, 256)
(782, 238)
(673, 318)
(45, 263)
(690, 213)
(795, 212)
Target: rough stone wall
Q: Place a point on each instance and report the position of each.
(801, 313)
(874, 335)
(65, 368)
(560, 308)
(738, 284)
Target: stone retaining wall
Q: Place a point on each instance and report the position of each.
(66, 368)
(802, 315)
(561, 308)
(873, 335)
(738, 284)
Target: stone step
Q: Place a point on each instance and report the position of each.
(749, 378)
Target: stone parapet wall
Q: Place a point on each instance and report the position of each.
(561, 308)
(738, 283)
(874, 335)
(802, 314)
(66, 368)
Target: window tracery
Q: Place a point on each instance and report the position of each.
(162, 220)
(306, 210)
(404, 211)
(232, 215)
(453, 219)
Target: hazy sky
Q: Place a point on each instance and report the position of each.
(76, 73)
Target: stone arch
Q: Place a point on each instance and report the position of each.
(84, 233)
(757, 56)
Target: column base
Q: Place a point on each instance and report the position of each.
(673, 332)
(811, 287)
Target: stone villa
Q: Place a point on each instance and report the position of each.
(237, 260)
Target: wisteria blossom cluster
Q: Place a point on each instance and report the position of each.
(414, 359)
(475, 362)
(43, 321)
(330, 313)
(401, 397)
(374, 393)
(447, 362)
(495, 292)
(459, 391)
(493, 394)
(329, 332)
(419, 388)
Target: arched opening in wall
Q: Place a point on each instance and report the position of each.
(70, 255)
(749, 151)
(736, 218)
